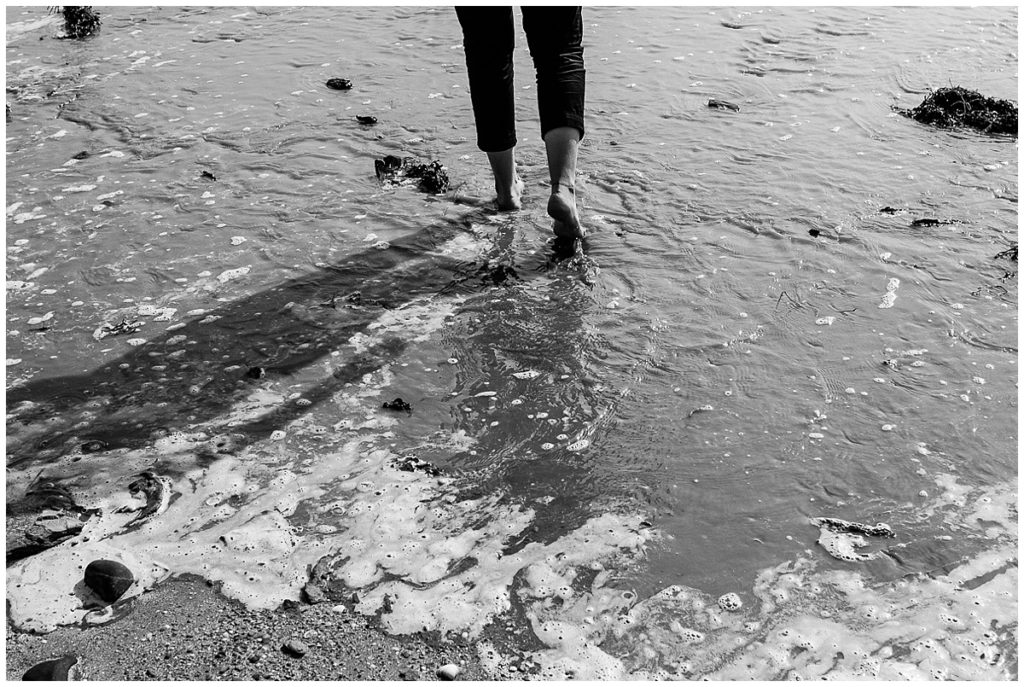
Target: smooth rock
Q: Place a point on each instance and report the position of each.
(109, 579)
(448, 672)
(55, 669)
(295, 648)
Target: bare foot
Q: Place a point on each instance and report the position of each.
(562, 209)
(511, 199)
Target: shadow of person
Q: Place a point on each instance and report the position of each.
(197, 372)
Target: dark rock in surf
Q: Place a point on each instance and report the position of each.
(339, 84)
(80, 156)
(1009, 254)
(414, 464)
(256, 373)
(208, 175)
(80, 22)
(433, 178)
(57, 669)
(716, 104)
(393, 170)
(815, 233)
(109, 579)
(958, 107)
(891, 211)
(931, 222)
(366, 119)
(397, 404)
(837, 525)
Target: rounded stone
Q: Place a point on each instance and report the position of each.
(295, 648)
(109, 579)
(448, 672)
(55, 669)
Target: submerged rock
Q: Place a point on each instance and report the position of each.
(723, 105)
(339, 84)
(55, 669)
(959, 107)
(397, 404)
(109, 579)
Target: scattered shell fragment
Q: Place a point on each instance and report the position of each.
(526, 374)
(578, 445)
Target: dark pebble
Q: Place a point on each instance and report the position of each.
(339, 84)
(55, 669)
(397, 404)
(109, 579)
(815, 233)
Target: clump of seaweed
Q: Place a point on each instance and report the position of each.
(79, 21)
(959, 107)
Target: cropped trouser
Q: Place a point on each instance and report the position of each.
(555, 38)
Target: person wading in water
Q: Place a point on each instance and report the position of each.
(555, 36)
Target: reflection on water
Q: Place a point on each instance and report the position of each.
(760, 335)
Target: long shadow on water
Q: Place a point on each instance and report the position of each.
(126, 403)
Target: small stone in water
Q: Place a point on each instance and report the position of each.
(256, 373)
(888, 428)
(397, 404)
(339, 84)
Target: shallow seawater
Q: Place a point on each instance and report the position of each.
(595, 452)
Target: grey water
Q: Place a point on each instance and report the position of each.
(766, 336)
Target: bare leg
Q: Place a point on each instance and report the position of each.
(562, 145)
(507, 183)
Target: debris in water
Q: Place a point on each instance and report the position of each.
(256, 373)
(723, 105)
(366, 119)
(208, 175)
(701, 409)
(397, 404)
(960, 107)
(80, 156)
(339, 84)
(109, 579)
(815, 233)
(892, 211)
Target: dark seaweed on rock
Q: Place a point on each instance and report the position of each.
(433, 178)
(959, 107)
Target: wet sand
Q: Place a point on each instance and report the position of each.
(185, 630)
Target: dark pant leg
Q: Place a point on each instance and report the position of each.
(488, 38)
(555, 37)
